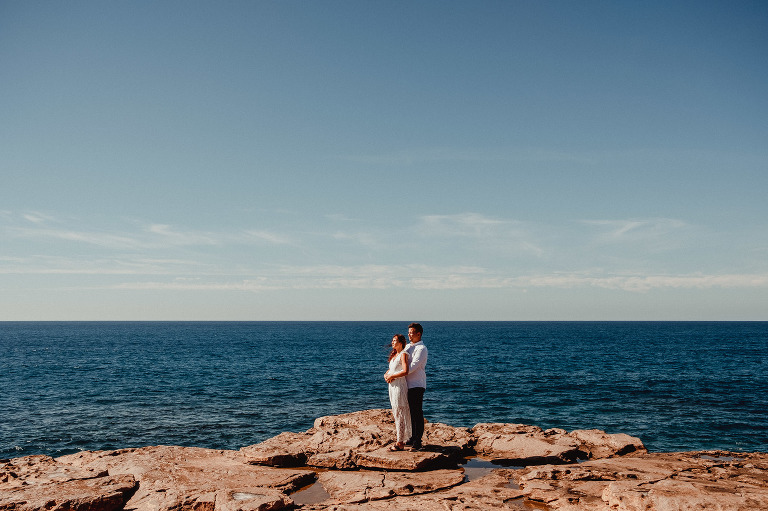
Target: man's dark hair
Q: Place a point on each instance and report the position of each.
(416, 327)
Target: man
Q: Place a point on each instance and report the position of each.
(417, 383)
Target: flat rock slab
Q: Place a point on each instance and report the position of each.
(167, 478)
(402, 460)
(284, 450)
(174, 478)
(651, 482)
(599, 444)
(458, 441)
(39, 482)
(347, 442)
(362, 486)
(530, 445)
(39, 469)
(356, 440)
(490, 492)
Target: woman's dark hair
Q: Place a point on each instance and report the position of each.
(401, 339)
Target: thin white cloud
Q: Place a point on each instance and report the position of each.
(644, 283)
(464, 225)
(328, 277)
(632, 230)
(338, 217)
(55, 265)
(142, 255)
(486, 233)
(267, 236)
(167, 235)
(449, 278)
(100, 239)
(170, 236)
(151, 237)
(191, 285)
(37, 217)
(395, 271)
(363, 239)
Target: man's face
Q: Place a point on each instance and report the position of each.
(413, 335)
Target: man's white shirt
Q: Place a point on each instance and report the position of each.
(417, 361)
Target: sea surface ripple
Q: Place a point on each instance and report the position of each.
(73, 386)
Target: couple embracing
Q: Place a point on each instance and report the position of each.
(407, 382)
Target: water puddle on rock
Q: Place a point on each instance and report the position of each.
(710, 457)
(311, 494)
(475, 468)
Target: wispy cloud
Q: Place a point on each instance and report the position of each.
(447, 278)
(466, 225)
(167, 235)
(38, 218)
(632, 230)
(151, 236)
(100, 239)
(488, 232)
(364, 239)
(370, 276)
(252, 285)
(270, 237)
(153, 256)
(644, 283)
(59, 265)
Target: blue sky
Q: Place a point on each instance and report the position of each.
(363, 160)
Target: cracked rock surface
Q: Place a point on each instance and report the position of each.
(346, 458)
(355, 440)
(650, 482)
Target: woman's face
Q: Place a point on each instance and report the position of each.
(396, 345)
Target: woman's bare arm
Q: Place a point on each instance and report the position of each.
(392, 376)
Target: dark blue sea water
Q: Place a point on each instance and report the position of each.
(676, 385)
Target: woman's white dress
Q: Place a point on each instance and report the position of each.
(398, 397)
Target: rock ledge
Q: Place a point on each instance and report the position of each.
(345, 462)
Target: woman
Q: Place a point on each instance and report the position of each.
(398, 391)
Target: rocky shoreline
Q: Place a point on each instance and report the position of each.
(343, 463)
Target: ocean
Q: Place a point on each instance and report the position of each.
(679, 386)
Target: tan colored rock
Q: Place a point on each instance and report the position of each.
(357, 440)
(525, 445)
(332, 442)
(599, 444)
(284, 450)
(402, 460)
(448, 439)
(351, 433)
(39, 469)
(174, 478)
(530, 445)
(362, 486)
(40, 482)
(493, 491)
(652, 482)
(340, 460)
(490, 492)
(246, 499)
(109, 493)
(165, 478)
